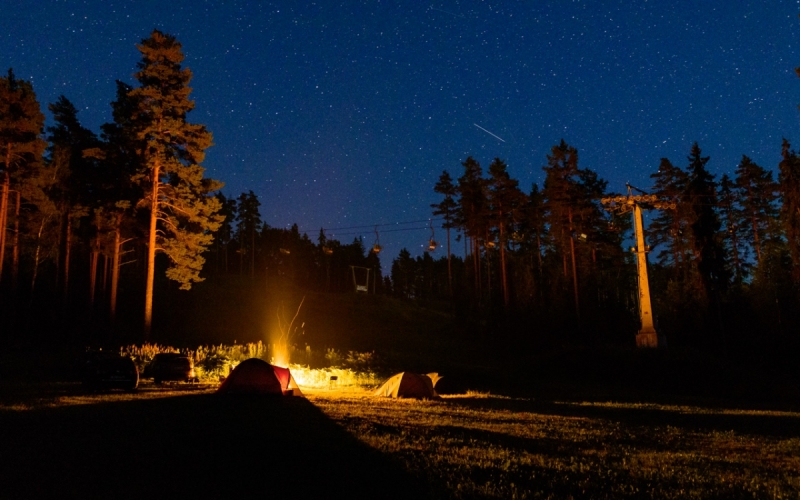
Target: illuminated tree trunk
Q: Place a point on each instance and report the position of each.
(105, 273)
(4, 211)
(67, 238)
(93, 261)
(504, 278)
(115, 269)
(449, 267)
(36, 256)
(15, 246)
(574, 268)
(151, 256)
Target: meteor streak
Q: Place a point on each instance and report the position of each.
(496, 137)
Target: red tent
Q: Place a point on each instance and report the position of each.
(256, 376)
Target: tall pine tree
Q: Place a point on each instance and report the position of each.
(757, 193)
(789, 185)
(505, 202)
(472, 209)
(248, 221)
(448, 210)
(182, 212)
(21, 145)
(709, 252)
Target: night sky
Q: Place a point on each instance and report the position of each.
(345, 114)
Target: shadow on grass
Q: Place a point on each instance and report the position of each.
(778, 425)
(194, 446)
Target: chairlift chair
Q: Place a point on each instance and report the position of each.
(326, 248)
(361, 286)
(376, 247)
(431, 243)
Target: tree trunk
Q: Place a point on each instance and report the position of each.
(151, 256)
(4, 211)
(539, 253)
(67, 245)
(15, 244)
(574, 270)
(503, 277)
(488, 271)
(756, 241)
(253, 253)
(115, 270)
(449, 267)
(105, 273)
(36, 256)
(93, 260)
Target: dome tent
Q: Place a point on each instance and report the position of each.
(409, 385)
(256, 376)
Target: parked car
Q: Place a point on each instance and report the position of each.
(171, 366)
(109, 370)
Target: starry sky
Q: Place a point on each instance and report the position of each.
(343, 114)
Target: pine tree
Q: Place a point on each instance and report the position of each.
(669, 229)
(730, 215)
(404, 275)
(473, 213)
(447, 209)
(21, 146)
(248, 219)
(182, 214)
(757, 193)
(505, 202)
(532, 229)
(561, 198)
(121, 160)
(789, 186)
(225, 232)
(706, 239)
(76, 186)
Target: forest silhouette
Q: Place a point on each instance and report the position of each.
(98, 226)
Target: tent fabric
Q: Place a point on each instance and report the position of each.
(407, 385)
(256, 376)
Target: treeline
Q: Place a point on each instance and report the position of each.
(246, 246)
(91, 221)
(96, 224)
(85, 214)
(724, 266)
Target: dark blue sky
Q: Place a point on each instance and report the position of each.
(344, 114)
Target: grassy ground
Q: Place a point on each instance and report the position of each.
(579, 422)
(183, 440)
(469, 446)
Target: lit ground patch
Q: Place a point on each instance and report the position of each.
(488, 446)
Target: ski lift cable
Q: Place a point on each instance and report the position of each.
(331, 230)
(379, 225)
(332, 234)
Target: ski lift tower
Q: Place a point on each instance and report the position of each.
(647, 336)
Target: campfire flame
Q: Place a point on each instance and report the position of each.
(280, 350)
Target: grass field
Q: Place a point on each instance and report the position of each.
(482, 446)
(572, 422)
(181, 440)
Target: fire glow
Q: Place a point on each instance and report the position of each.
(286, 331)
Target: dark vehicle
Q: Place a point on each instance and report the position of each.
(171, 366)
(109, 370)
